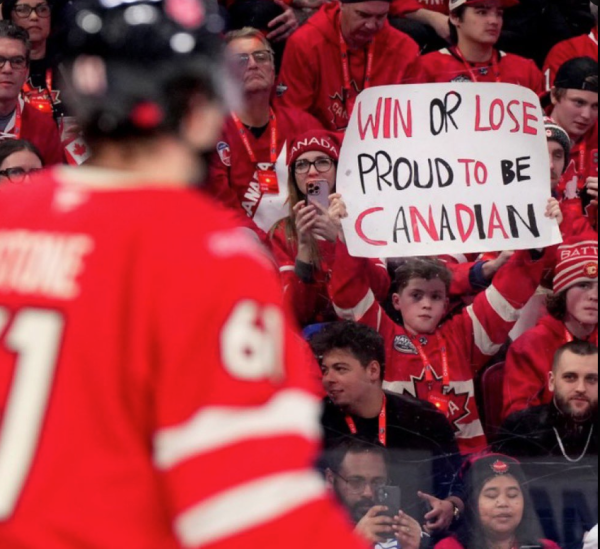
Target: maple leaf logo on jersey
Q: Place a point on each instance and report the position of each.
(458, 403)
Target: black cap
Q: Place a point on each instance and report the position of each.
(580, 73)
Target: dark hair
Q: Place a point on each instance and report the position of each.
(354, 445)
(471, 534)
(9, 5)
(557, 305)
(579, 348)
(8, 147)
(460, 13)
(9, 30)
(425, 268)
(364, 343)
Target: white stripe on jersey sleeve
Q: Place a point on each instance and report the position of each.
(502, 307)
(482, 339)
(289, 413)
(246, 507)
(360, 310)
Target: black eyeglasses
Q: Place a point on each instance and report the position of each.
(24, 11)
(322, 165)
(18, 175)
(357, 485)
(260, 57)
(18, 63)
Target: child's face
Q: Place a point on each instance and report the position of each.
(582, 303)
(423, 304)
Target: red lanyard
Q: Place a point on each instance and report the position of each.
(16, 131)
(350, 101)
(472, 72)
(243, 131)
(382, 423)
(583, 163)
(427, 363)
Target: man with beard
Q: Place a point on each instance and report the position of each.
(558, 444)
(358, 473)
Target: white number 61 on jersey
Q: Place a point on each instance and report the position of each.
(252, 342)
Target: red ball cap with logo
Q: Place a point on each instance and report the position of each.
(577, 262)
(314, 141)
(455, 4)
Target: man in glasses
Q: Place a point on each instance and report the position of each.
(248, 170)
(358, 474)
(19, 120)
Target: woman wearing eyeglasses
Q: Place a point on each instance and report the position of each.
(304, 243)
(499, 513)
(18, 161)
(35, 16)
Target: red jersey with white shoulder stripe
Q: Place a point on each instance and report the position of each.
(447, 66)
(153, 392)
(470, 339)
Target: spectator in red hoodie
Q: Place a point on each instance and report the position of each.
(575, 108)
(304, 243)
(585, 45)
(19, 120)
(243, 169)
(573, 316)
(476, 26)
(342, 50)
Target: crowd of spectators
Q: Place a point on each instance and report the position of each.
(405, 347)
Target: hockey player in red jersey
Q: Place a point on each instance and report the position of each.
(153, 393)
(476, 27)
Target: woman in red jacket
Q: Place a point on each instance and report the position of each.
(500, 514)
(573, 315)
(304, 243)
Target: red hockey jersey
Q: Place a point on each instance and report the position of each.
(310, 301)
(529, 362)
(402, 7)
(581, 46)
(471, 338)
(153, 393)
(453, 543)
(446, 66)
(233, 177)
(312, 76)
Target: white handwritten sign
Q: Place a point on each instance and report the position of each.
(444, 169)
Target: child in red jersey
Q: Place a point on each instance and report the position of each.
(426, 357)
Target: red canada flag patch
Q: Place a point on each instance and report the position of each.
(500, 468)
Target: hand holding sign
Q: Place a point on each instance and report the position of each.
(446, 168)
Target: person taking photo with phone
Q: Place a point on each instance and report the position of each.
(304, 243)
(358, 474)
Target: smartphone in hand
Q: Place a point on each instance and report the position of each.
(390, 497)
(317, 192)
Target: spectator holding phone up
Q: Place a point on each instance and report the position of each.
(304, 243)
(358, 474)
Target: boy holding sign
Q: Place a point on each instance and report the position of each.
(476, 26)
(426, 358)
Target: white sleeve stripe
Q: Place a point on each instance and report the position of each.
(246, 507)
(482, 339)
(360, 310)
(290, 413)
(471, 430)
(499, 303)
(287, 269)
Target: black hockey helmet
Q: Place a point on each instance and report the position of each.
(134, 66)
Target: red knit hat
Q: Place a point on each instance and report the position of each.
(314, 141)
(577, 262)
